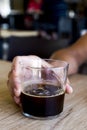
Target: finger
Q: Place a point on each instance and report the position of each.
(22, 66)
(69, 89)
(17, 92)
(13, 85)
(14, 93)
(10, 88)
(17, 100)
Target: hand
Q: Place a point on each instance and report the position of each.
(20, 72)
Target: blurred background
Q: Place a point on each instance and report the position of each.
(40, 27)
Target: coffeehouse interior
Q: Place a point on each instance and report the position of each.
(28, 27)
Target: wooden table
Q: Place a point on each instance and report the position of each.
(74, 116)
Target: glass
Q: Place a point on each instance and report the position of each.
(42, 95)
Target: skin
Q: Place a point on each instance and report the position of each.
(75, 55)
(20, 72)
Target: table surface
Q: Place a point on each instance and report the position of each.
(73, 117)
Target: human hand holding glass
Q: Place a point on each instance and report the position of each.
(20, 72)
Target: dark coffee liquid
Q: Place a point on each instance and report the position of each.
(42, 100)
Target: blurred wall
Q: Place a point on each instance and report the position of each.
(73, 1)
(4, 7)
(17, 5)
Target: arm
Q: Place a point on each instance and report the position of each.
(75, 55)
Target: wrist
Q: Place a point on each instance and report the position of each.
(68, 56)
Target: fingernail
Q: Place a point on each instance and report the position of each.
(69, 89)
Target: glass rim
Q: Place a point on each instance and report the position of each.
(66, 64)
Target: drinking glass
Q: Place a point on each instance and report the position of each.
(43, 92)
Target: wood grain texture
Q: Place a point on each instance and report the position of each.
(73, 117)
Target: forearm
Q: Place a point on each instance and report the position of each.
(66, 55)
(75, 55)
(79, 49)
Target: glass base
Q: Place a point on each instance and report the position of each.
(43, 118)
